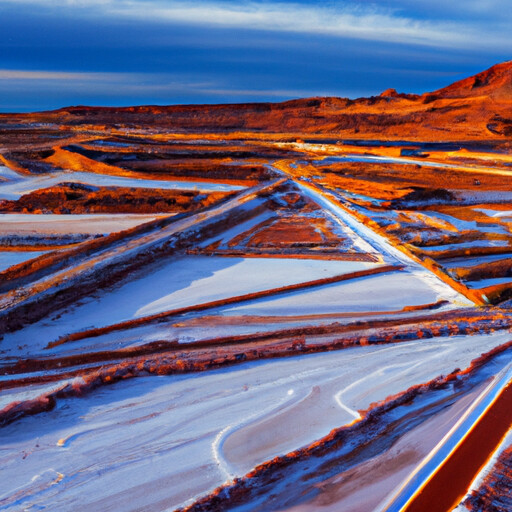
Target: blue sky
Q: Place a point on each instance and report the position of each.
(55, 53)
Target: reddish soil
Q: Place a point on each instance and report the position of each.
(404, 184)
(78, 198)
(478, 107)
(170, 357)
(447, 487)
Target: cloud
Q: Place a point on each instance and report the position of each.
(136, 83)
(342, 19)
(17, 74)
(174, 51)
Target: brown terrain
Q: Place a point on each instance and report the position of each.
(190, 241)
(476, 108)
(77, 198)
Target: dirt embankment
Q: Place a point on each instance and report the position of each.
(167, 357)
(78, 198)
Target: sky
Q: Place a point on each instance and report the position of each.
(56, 53)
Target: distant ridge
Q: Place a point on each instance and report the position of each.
(495, 82)
(475, 108)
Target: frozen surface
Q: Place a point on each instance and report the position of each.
(485, 196)
(16, 189)
(451, 223)
(239, 276)
(159, 441)
(476, 260)
(11, 258)
(466, 245)
(506, 214)
(172, 284)
(484, 283)
(368, 487)
(8, 175)
(20, 224)
(384, 159)
(383, 292)
(224, 323)
(155, 443)
(381, 244)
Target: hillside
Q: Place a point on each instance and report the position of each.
(476, 108)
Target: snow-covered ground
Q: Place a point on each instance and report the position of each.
(27, 184)
(21, 224)
(476, 260)
(381, 245)
(466, 245)
(8, 175)
(175, 283)
(385, 292)
(157, 442)
(11, 258)
(154, 443)
(498, 214)
(453, 224)
(484, 283)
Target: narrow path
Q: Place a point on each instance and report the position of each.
(374, 239)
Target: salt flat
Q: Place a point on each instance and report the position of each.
(20, 224)
(160, 441)
(25, 185)
(174, 283)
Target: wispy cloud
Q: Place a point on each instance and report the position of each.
(123, 84)
(343, 19)
(175, 51)
(17, 74)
